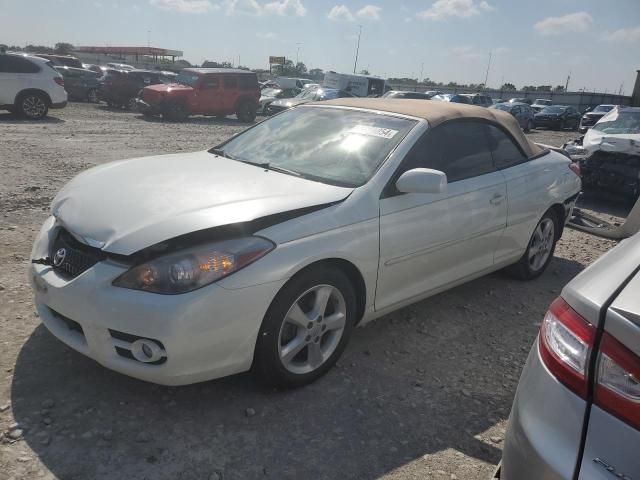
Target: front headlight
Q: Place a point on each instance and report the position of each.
(193, 268)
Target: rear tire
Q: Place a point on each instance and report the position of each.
(33, 106)
(246, 112)
(540, 250)
(306, 328)
(529, 126)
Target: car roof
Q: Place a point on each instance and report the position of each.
(435, 113)
(522, 104)
(202, 71)
(28, 57)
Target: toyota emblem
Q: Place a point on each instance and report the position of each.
(59, 257)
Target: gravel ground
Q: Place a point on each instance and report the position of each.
(422, 393)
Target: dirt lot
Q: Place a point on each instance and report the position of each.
(422, 393)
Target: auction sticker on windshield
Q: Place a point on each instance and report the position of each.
(387, 133)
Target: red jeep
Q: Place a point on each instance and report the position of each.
(203, 91)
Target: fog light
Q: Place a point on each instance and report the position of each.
(146, 351)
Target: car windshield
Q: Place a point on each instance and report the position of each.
(307, 93)
(502, 106)
(326, 94)
(553, 109)
(186, 79)
(619, 122)
(330, 145)
(271, 92)
(603, 108)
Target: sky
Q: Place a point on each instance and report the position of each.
(531, 42)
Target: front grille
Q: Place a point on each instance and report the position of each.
(74, 257)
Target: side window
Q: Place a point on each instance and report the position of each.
(231, 82)
(13, 64)
(516, 110)
(459, 149)
(210, 82)
(464, 150)
(248, 82)
(505, 152)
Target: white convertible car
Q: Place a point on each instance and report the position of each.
(267, 250)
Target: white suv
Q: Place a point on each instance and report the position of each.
(29, 86)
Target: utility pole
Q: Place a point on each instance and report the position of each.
(238, 59)
(148, 39)
(297, 53)
(421, 71)
(566, 85)
(486, 77)
(355, 64)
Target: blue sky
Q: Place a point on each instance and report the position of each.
(532, 42)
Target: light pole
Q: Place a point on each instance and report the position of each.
(486, 77)
(355, 64)
(148, 39)
(297, 53)
(421, 70)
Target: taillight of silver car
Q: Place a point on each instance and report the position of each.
(575, 168)
(565, 345)
(59, 81)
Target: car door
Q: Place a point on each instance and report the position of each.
(206, 95)
(15, 74)
(527, 182)
(429, 241)
(231, 92)
(574, 116)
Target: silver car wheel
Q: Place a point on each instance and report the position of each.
(312, 329)
(541, 244)
(34, 106)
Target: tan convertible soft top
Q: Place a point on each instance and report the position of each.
(436, 113)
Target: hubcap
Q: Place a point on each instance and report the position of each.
(33, 106)
(312, 329)
(541, 244)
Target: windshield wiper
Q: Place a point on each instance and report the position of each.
(268, 166)
(221, 153)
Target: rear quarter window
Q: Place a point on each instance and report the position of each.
(248, 82)
(15, 64)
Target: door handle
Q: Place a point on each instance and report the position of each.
(497, 199)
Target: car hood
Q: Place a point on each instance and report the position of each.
(171, 87)
(290, 102)
(594, 140)
(123, 207)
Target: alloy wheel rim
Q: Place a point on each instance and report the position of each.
(541, 244)
(312, 329)
(34, 106)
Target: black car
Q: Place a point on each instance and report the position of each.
(591, 117)
(80, 84)
(557, 117)
(61, 60)
(119, 88)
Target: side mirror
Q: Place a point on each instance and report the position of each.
(422, 180)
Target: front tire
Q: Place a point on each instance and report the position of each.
(306, 328)
(33, 106)
(175, 112)
(92, 96)
(540, 249)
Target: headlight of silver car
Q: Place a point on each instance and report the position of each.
(193, 268)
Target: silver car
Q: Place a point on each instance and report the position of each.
(522, 112)
(576, 414)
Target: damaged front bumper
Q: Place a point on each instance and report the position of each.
(614, 172)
